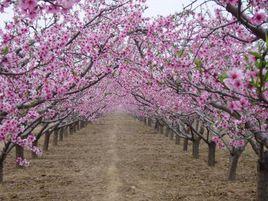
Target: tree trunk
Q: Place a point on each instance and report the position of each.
(33, 153)
(75, 127)
(161, 129)
(211, 154)
(262, 178)
(177, 139)
(150, 122)
(1, 171)
(46, 141)
(71, 129)
(66, 130)
(19, 154)
(185, 145)
(171, 135)
(167, 132)
(196, 144)
(78, 125)
(233, 162)
(55, 137)
(156, 126)
(61, 134)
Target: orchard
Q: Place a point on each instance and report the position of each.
(199, 75)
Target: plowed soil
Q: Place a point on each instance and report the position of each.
(120, 159)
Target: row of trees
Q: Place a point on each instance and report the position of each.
(204, 76)
(57, 64)
(201, 73)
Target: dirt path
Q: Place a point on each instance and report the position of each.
(114, 181)
(120, 159)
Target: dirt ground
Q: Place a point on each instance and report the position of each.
(121, 159)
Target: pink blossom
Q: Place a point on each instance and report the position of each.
(218, 141)
(237, 143)
(238, 84)
(22, 162)
(234, 84)
(259, 18)
(236, 74)
(244, 102)
(28, 7)
(2, 136)
(37, 151)
(234, 106)
(31, 138)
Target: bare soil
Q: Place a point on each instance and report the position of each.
(120, 159)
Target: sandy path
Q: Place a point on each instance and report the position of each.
(120, 159)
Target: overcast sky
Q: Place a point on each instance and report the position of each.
(155, 7)
(165, 7)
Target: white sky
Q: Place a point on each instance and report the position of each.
(155, 7)
(165, 7)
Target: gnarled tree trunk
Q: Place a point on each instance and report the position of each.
(71, 129)
(55, 137)
(1, 171)
(211, 154)
(150, 122)
(233, 163)
(19, 154)
(78, 125)
(167, 132)
(82, 124)
(196, 145)
(34, 155)
(66, 130)
(177, 139)
(171, 135)
(161, 129)
(156, 126)
(262, 178)
(61, 134)
(46, 141)
(185, 145)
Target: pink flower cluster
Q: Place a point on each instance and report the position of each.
(235, 80)
(237, 143)
(37, 151)
(29, 7)
(9, 129)
(218, 141)
(22, 162)
(259, 18)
